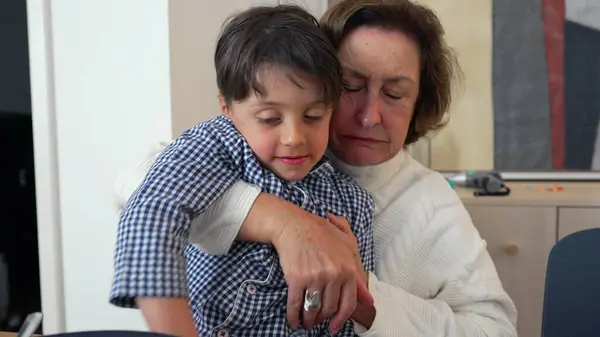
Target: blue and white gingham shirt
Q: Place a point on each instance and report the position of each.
(244, 292)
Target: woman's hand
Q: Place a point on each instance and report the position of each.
(350, 241)
(364, 314)
(317, 255)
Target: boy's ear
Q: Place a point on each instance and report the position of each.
(223, 105)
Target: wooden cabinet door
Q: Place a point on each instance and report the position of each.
(519, 240)
(575, 219)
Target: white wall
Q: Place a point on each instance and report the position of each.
(112, 98)
(106, 77)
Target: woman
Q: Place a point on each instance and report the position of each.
(433, 274)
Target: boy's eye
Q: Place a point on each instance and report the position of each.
(313, 118)
(268, 121)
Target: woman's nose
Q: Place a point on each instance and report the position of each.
(370, 115)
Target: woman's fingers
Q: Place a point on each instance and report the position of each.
(363, 294)
(294, 301)
(340, 222)
(346, 306)
(331, 295)
(315, 255)
(309, 313)
(322, 274)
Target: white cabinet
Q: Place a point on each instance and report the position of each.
(574, 219)
(522, 228)
(519, 240)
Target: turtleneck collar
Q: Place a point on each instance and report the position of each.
(373, 177)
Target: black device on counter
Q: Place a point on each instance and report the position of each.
(486, 183)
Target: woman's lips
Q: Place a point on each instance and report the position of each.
(363, 140)
(293, 161)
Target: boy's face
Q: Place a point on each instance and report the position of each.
(287, 126)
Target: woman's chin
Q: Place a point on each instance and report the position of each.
(360, 157)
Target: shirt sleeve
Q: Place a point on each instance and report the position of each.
(366, 245)
(213, 231)
(471, 301)
(187, 177)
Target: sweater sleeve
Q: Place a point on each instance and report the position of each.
(215, 230)
(469, 299)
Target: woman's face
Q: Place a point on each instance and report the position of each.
(381, 85)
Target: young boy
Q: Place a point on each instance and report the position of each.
(279, 79)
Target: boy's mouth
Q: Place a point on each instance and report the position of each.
(293, 160)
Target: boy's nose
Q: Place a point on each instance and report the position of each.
(294, 136)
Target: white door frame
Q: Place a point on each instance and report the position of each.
(39, 24)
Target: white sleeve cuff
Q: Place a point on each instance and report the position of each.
(358, 328)
(215, 230)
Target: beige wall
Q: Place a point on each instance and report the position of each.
(193, 29)
(468, 140)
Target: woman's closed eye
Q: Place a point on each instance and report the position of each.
(351, 88)
(393, 96)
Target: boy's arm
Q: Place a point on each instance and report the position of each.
(154, 228)
(215, 230)
(170, 316)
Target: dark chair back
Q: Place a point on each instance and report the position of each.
(109, 333)
(572, 294)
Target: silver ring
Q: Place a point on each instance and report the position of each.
(312, 300)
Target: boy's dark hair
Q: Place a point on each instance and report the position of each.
(281, 35)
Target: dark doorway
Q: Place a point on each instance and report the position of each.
(19, 260)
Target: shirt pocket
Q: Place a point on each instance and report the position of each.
(258, 302)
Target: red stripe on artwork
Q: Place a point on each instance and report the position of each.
(554, 38)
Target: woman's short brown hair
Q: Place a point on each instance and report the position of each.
(439, 66)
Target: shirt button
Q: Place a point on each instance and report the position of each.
(222, 333)
(251, 289)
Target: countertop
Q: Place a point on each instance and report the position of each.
(568, 194)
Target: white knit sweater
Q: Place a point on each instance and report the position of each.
(433, 274)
